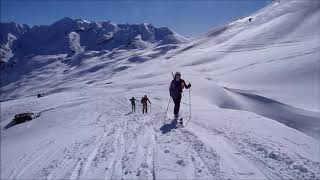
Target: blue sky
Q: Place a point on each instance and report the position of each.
(187, 17)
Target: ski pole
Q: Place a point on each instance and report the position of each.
(168, 104)
(190, 102)
(189, 107)
(165, 115)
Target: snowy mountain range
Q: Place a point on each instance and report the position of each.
(253, 106)
(77, 35)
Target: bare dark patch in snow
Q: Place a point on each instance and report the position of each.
(21, 118)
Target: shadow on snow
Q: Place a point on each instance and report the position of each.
(168, 127)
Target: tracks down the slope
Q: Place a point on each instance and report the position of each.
(128, 147)
(265, 157)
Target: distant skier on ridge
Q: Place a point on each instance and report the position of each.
(176, 87)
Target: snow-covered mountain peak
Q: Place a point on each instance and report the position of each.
(63, 21)
(12, 28)
(92, 36)
(83, 21)
(9, 32)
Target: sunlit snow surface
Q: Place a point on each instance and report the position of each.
(255, 106)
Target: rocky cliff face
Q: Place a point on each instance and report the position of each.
(9, 32)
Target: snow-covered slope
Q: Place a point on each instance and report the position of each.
(285, 42)
(254, 101)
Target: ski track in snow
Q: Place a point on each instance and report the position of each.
(270, 161)
(130, 147)
(133, 147)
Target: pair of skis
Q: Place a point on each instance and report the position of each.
(178, 122)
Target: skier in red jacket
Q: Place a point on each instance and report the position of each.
(144, 101)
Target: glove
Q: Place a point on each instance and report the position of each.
(189, 86)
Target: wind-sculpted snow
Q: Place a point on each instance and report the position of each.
(302, 120)
(254, 101)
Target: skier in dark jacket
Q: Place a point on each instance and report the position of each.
(133, 104)
(176, 87)
(144, 101)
